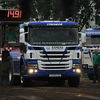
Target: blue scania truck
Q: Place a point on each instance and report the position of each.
(45, 53)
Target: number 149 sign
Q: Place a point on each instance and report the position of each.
(14, 13)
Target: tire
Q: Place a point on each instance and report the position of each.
(13, 80)
(25, 82)
(73, 81)
(91, 76)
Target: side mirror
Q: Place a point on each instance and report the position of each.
(83, 38)
(22, 38)
(21, 30)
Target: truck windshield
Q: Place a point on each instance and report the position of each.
(53, 36)
(92, 41)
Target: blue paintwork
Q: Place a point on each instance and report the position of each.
(88, 71)
(15, 54)
(16, 66)
(24, 61)
(76, 62)
(23, 25)
(32, 62)
(92, 32)
(76, 48)
(53, 23)
(32, 48)
(49, 24)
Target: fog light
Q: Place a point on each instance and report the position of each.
(74, 70)
(78, 70)
(35, 70)
(31, 71)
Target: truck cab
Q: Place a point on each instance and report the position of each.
(47, 53)
(92, 43)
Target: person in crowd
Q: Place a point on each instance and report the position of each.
(11, 36)
(96, 66)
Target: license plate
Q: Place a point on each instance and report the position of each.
(54, 75)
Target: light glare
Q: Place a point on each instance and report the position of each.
(31, 71)
(78, 70)
(36, 71)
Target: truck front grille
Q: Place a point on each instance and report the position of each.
(54, 60)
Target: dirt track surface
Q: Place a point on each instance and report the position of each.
(43, 91)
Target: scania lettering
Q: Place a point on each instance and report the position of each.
(57, 48)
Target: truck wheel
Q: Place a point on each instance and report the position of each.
(25, 82)
(13, 80)
(73, 81)
(11, 77)
(91, 76)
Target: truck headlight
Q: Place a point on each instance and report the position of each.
(34, 66)
(76, 65)
(77, 70)
(33, 71)
(85, 66)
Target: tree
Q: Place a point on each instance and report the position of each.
(82, 11)
(25, 6)
(64, 9)
(97, 13)
(85, 12)
(8, 4)
(44, 9)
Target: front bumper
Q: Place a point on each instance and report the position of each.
(88, 71)
(53, 73)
